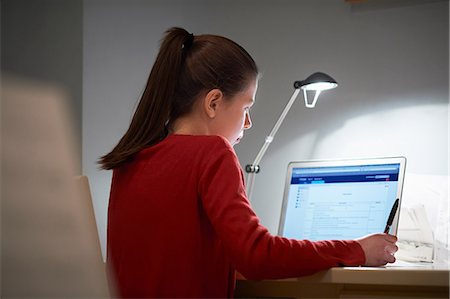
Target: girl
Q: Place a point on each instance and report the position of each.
(179, 222)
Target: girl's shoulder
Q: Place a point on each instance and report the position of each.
(206, 141)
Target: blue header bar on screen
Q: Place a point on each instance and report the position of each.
(341, 174)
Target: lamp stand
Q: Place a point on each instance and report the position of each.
(253, 169)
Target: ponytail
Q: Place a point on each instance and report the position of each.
(183, 68)
(148, 124)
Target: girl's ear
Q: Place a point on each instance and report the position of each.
(212, 101)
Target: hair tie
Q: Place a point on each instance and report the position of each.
(188, 41)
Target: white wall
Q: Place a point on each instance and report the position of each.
(391, 63)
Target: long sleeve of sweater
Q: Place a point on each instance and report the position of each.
(254, 251)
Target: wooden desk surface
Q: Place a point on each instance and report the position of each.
(390, 281)
(390, 275)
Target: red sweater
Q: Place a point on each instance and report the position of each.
(179, 224)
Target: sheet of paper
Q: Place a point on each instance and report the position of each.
(424, 216)
(426, 190)
(399, 263)
(414, 225)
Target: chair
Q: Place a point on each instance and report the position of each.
(49, 248)
(84, 194)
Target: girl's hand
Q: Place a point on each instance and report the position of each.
(378, 248)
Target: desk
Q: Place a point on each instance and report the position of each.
(355, 282)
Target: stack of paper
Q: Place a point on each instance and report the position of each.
(424, 219)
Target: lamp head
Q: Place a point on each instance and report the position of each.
(317, 82)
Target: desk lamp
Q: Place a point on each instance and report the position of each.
(316, 82)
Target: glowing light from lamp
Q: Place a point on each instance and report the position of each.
(319, 86)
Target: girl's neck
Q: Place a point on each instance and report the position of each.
(189, 126)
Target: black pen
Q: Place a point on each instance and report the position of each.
(391, 217)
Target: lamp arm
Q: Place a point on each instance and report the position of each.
(253, 168)
(275, 128)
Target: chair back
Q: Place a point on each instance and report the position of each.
(84, 195)
(50, 245)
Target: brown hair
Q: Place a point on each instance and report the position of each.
(185, 66)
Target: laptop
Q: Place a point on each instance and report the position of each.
(341, 199)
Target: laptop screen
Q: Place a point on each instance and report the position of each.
(340, 200)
